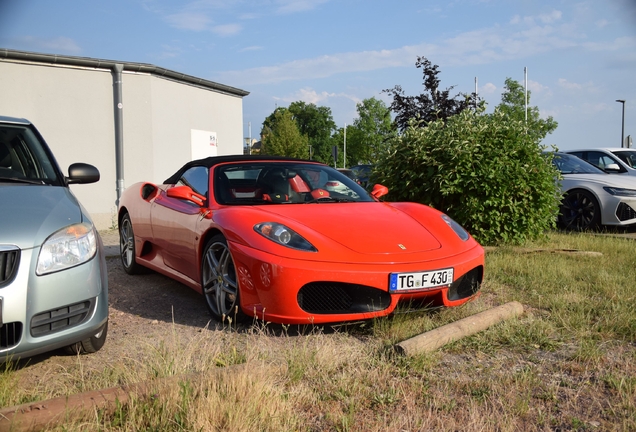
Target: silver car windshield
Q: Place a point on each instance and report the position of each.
(627, 156)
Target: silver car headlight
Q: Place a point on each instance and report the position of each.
(620, 191)
(284, 236)
(68, 247)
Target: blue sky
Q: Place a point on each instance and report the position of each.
(580, 55)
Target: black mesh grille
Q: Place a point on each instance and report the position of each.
(10, 334)
(60, 319)
(340, 298)
(8, 265)
(625, 212)
(466, 285)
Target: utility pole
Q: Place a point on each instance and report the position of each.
(525, 87)
(622, 101)
(344, 161)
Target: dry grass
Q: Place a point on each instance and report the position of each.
(569, 363)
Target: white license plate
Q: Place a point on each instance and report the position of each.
(420, 280)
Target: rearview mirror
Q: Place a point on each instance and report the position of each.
(612, 167)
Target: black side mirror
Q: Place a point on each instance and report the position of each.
(82, 173)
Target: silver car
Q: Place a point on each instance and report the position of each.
(592, 197)
(53, 278)
(613, 160)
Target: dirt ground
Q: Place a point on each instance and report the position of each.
(144, 309)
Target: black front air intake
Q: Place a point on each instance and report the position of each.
(56, 320)
(466, 285)
(625, 212)
(9, 260)
(10, 334)
(341, 298)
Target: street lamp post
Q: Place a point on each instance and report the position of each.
(622, 101)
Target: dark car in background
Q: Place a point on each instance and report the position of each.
(53, 277)
(362, 173)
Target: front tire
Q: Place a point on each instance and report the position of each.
(580, 211)
(219, 282)
(91, 344)
(127, 247)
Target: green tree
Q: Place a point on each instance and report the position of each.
(484, 171)
(283, 137)
(314, 122)
(513, 106)
(370, 133)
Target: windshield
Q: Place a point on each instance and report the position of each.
(569, 164)
(23, 158)
(627, 156)
(284, 183)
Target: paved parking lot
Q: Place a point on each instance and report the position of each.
(111, 242)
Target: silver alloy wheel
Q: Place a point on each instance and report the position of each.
(127, 247)
(219, 283)
(126, 243)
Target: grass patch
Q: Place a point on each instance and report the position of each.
(569, 363)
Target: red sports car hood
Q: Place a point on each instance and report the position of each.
(370, 228)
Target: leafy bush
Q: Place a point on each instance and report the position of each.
(484, 171)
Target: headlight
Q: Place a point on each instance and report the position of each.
(282, 235)
(69, 247)
(461, 232)
(620, 191)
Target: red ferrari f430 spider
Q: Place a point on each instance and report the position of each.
(266, 237)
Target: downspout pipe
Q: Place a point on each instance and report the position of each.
(119, 128)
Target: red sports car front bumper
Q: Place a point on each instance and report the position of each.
(292, 291)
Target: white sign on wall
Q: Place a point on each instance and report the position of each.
(202, 144)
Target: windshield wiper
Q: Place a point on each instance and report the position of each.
(21, 180)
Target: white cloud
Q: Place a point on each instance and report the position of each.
(602, 23)
(325, 66)
(488, 88)
(310, 95)
(227, 29)
(295, 6)
(536, 87)
(170, 51)
(551, 17)
(588, 87)
(194, 21)
(523, 38)
(251, 48)
(58, 44)
(569, 85)
(624, 44)
(593, 108)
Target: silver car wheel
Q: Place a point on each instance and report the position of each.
(127, 246)
(218, 280)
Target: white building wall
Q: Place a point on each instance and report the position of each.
(73, 109)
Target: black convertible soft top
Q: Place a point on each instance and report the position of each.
(215, 160)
